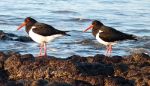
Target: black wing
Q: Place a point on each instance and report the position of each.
(46, 30)
(111, 35)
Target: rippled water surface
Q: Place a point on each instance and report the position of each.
(129, 16)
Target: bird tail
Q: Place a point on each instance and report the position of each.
(65, 33)
(132, 37)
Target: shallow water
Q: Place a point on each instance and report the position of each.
(129, 16)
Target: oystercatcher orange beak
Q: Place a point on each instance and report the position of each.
(90, 27)
(23, 24)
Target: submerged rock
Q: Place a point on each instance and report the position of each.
(23, 39)
(4, 36)
(13, 37)
(98, 70)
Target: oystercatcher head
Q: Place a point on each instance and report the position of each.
(108, 35)
(41, 33)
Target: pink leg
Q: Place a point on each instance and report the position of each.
(107, 50)
(41, 47)
(110, 50)
(45, 50)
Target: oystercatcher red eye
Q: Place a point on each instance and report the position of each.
(27, 20)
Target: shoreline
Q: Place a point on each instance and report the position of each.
(98, 70)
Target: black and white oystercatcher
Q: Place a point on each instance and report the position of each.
(108, 35)
(41, 33)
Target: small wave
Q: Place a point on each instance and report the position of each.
(144, 38)
(140, 31)
(86, 42)
(90, 42)
(10, 20)
(78, 19)
(65, 12)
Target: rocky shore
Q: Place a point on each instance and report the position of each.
(98, 70)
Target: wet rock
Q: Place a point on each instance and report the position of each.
(4, 36)
(121, 69)
(76, 58)
(95, 69)
(116, 59)
(58, 84)
(13, 37)
(11, 83)
(93, 80)
(23, 39)
(15, 83)
(90, 59)
(3, 76)
(118, 81)
(3, 57)
(112, 60)
(96, 59)
(10, 53)
(27, 58)
(98, 70)
(40, 82)
(80, 83)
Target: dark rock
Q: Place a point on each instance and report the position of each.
(121, 69)
(98, 70)
(116, 59)
(11, 83)
(118, 81)
(23, 39)
(76, 58)
(3, 76)
(80, 83)
(13, 37)
(4, 36)
(27, 57)
(39, 82)
(96, 59)
(3, 57)
(99, 58)
(14, 83)
(95, 69)
(11, 53)
(112, 60)
(23, 82)
(58, 84)
(93, 80)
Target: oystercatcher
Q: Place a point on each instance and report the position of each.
(108, 35)
(41, 33)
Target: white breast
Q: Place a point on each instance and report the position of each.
(102, 41)
(40, 39)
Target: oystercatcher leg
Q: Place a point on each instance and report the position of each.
(45, 49)
(108, 50)
(41, 48)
